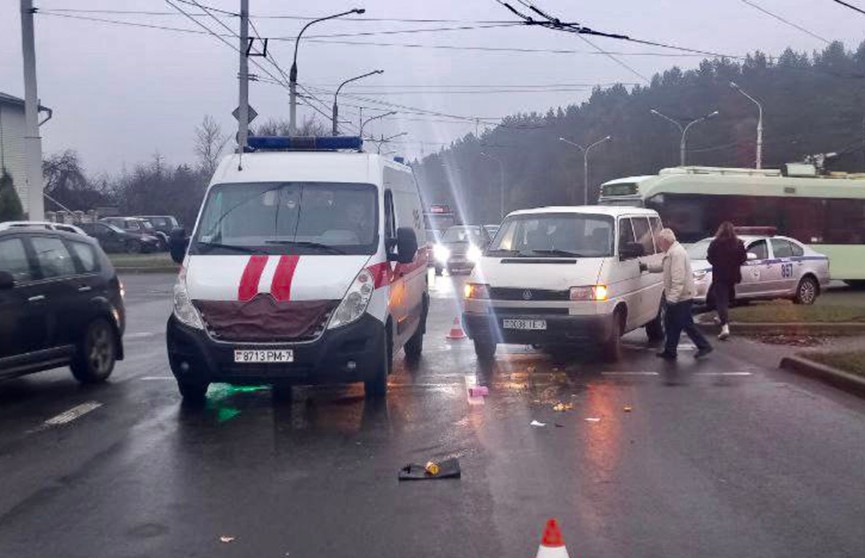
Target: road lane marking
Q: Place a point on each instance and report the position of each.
(724, 373)
(636, 373)
(140, 334)
(153, 378)
(74, 413)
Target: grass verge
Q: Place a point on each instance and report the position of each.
(785, 312)
(852, 362)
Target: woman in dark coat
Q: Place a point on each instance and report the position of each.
(726, 254)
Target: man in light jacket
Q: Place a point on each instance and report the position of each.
(679, 290)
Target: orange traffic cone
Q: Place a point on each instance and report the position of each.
(456, 331)
(552, 545)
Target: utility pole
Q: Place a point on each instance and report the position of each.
(243, 116)
(759, 154)
(32, 140)
(335, 117)
(501, 184)
(683, 141)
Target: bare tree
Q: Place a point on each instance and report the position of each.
(209, 143)
(311, 126)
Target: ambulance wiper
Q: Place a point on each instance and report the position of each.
(304, 244)
(557, 252)
(244, 249)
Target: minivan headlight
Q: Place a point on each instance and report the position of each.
(355, 301)
(441, 253)
(473, 254)
(597, 293)
(184, 310)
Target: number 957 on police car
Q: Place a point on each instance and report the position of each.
(263, 356)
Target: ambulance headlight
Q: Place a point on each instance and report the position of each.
(473, 254)
(184, 311)
(355, 301)
(441, 253)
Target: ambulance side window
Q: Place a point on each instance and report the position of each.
(389, 221)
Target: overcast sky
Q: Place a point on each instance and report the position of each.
(122, 93)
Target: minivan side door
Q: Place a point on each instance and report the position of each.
(409, 214)
(624, 277)
(23, 308)
(397, 298)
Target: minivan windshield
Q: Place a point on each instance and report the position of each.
(288, 218)
(554, 235)
(471, 235)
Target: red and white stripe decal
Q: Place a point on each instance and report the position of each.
(282, 278)
(251, 276)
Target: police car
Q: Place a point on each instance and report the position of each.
(303, 268)
(777, 267)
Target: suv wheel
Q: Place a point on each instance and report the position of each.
(807, 291)
(96, 354)
(414, 346)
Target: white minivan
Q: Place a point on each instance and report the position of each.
(561, 277)
(303, 268)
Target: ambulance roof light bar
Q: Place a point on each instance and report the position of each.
(300, 143)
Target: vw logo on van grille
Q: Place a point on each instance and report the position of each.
(527, 295)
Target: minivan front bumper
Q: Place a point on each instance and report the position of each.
(195, 357)
(560, 330)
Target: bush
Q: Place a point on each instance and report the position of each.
(10, 204)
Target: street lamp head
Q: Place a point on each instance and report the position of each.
(608, 138)
(713, 114)
(733, 85)
(359, 11)
(378, 72)
(653, 111)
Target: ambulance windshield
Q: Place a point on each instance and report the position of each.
(288, 218)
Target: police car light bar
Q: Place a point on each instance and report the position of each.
(304, 143)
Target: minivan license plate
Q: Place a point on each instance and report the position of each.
(525, 324)
(259, 355)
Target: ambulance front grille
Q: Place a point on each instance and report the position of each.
(265, 320)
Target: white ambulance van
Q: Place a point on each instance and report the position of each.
(303, 268)
(566, 277)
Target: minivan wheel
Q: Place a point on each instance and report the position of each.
(96, 354)
(377, 386)
(414, 346)
(612, 347)
(655, 328)
(807, 291)
(193, 393)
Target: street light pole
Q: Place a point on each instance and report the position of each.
(384, 140)
(335, 95)
(32, 140)
(501, 184)
(363, 122)
(292, 75)
(683, 142)
(585, 151)
(243, 93)
(759, 160)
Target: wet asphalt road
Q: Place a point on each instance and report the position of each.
(722, 458)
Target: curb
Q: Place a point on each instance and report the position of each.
(800, 328)
(826, 374)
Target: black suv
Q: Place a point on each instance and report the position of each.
(163, 226)
(61, 303)
(115, 239)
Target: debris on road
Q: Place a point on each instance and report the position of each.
(226, 539)
(562, 407)
(447, 469)
(536, 423)
(479, 391)
(593, 419)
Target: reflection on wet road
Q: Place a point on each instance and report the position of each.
(643, 458)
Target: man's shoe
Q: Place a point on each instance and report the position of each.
(703, 352)
(725, 332)
(665, 355)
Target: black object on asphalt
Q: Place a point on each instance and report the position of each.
(448, 469)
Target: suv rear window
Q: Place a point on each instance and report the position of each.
(86, 255)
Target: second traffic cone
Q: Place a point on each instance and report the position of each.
(456, 331)
(552, 545)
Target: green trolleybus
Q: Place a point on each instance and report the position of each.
(825, 212)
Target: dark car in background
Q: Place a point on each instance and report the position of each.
(141, 229)
(163, 225)
(113, 239)
(460, 248)
(61, 304)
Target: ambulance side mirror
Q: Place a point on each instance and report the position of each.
(178, 242)
(406, 245)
